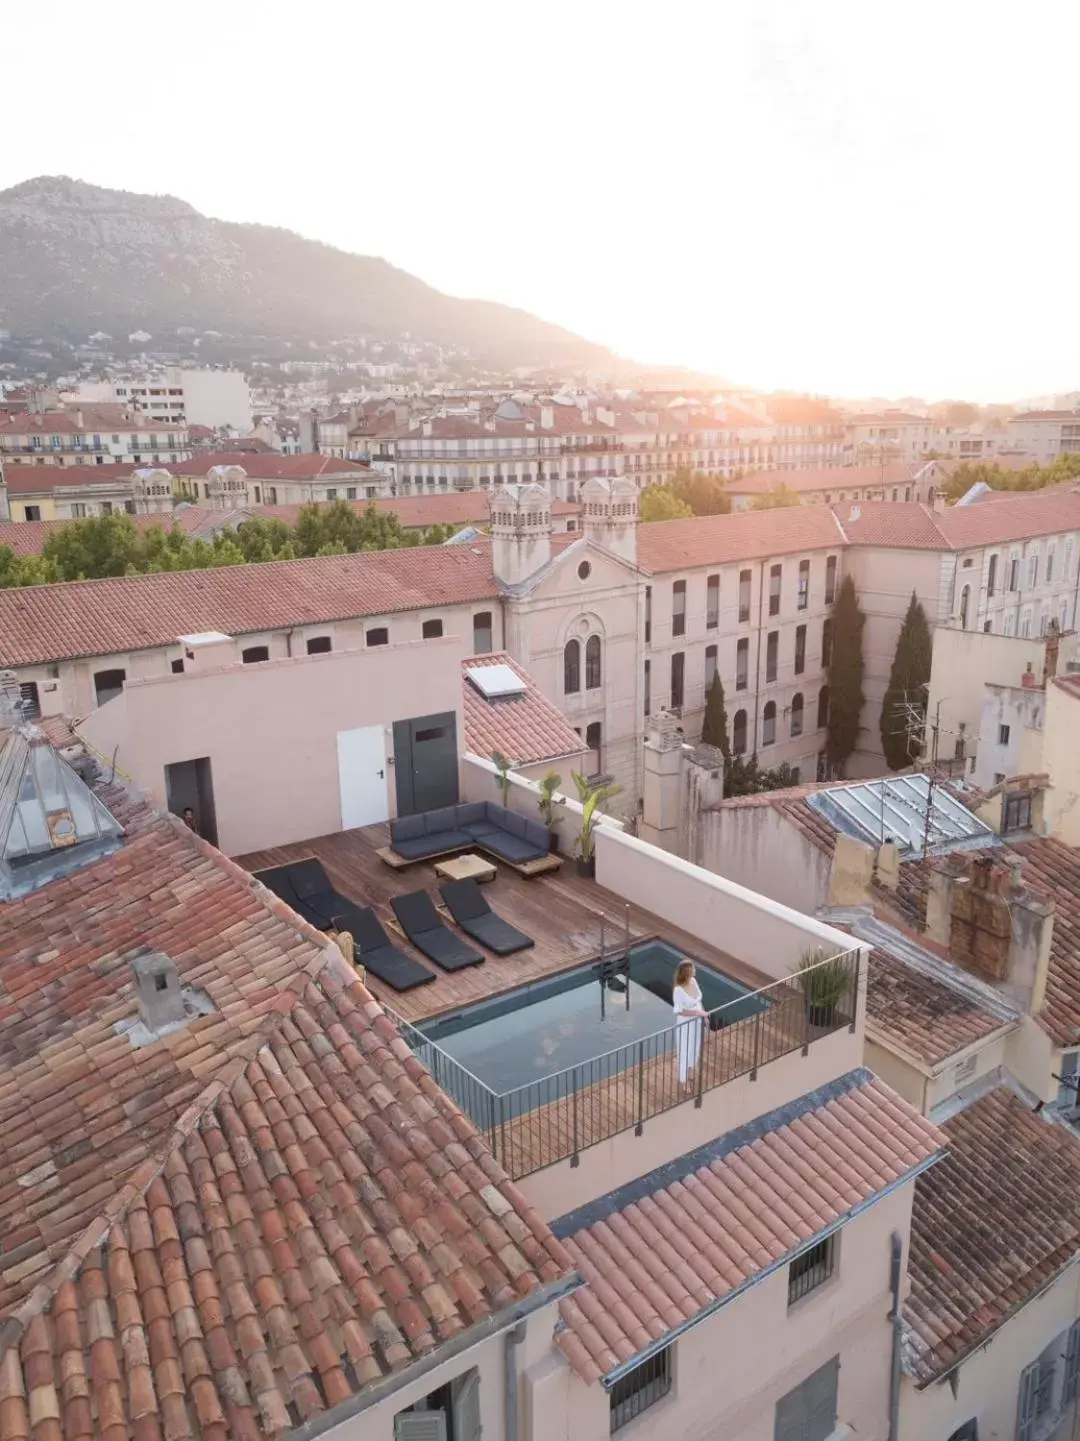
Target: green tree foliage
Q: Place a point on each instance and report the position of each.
(704, 494)
(1033, 477)
(908, 680)
(779, 498)
(109, 545)
(714, 731)
(845, 676)
(659, 502)
(743, 776)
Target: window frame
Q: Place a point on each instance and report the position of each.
(641, 1388)
(768, 718)
(593, 663)
(812, 1268)
(800, 649)
(802, 590)
(798, 715)
(742, 652)
(678, 669)
(678, 607)
(712, 602)
(772, 656)
(572, 667)
(776, 588)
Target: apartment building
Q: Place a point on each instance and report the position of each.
(89, 435)
(73, 492)
(273, 479)
(1046, 434)
(831, 485)
(298, 1225)
(179, 396)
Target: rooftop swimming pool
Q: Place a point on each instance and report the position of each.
(510, 1041)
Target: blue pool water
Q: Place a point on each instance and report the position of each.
(522, 1036)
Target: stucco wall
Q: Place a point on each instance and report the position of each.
(759, 848)
(1061, 758)
(270, 731)
(988, 1383)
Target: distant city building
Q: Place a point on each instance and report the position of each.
(219, 399)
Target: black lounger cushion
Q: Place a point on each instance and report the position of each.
(423, 925)
(309, 879)
(476, 918)
(280, 880)
(375, 952)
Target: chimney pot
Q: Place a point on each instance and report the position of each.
(157, 985)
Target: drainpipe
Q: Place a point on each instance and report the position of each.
(511, 1341)
(757, 653)
(897, 1331)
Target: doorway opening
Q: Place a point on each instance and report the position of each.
(189, 785)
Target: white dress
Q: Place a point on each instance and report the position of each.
(687, 1028)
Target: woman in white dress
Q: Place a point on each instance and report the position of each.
(689, 1015)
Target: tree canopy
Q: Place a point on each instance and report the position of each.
(901, 740)
(845, 676)
(779, 498)
(714, 731)
(1032, 477)
(659, 502)
(110, 545)
(688, 492)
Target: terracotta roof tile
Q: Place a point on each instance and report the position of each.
(902, 525)
(1039, 513)
(677, 545)
(768, 1191)
(95, 617)
(992, 1224)
(930, 1019)
(225, 1247)
(42, 479)
(526, 728)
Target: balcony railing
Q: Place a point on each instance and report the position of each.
(556, 1117)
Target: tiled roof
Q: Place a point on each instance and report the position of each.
(41, 479)
(231, 1230)
(28, 537)
(1052, 869)
(904, 525)
(526, 728)
(674, 1247)
(928, 1018)
(1037, 513)
(992, 1224)
(102, 617)
(67, 422)
(676, 545)
(273, 466)
(834, 478)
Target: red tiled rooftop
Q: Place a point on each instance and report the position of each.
(41, 479)
(231, 1230)
(97, 617)
(658, 1261)
(273, 466)
(1024, 515)
(904, 525)
(676, 545)
(992, 1225)
(925, 1016)
(526, 728)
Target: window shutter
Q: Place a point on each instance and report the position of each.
(467, 1408)
(1029, 1389)
(790, 1414)
(420, 1426)
(1071, 1384)
(821, 1401)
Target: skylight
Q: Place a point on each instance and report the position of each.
(493, 681)
(895, 808)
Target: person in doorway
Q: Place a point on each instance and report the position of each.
(190, 821)
(689, 1015)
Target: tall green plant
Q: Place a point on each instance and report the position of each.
(845, 676)
(714, 731)
(502, 765)
(901, 741)
(547, 786)
(590, 796)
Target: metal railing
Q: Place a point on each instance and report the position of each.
(560, 1115)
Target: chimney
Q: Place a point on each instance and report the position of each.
(664, 753)
(1029, 680)
(157, 986)
(5, 508)
(207, 650)
(547, 417)
(610, 515)
(888, 865)
(520, 531)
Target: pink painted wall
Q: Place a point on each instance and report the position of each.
(270, 730)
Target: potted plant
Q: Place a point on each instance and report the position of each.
(590, 796)
(548, 785)
(824, 981)
(502, 765)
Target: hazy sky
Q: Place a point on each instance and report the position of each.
(860, 198)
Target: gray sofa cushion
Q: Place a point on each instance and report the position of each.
(470, 813)
(510, 848)
(512, 824)
(444, 819)
(479, 829)
(537, 834)
(433, 845)
(407, 828)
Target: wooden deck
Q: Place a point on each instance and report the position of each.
(562, 912)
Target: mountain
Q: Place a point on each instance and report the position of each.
(76, 258)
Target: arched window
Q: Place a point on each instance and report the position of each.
(768, 724)
(823, 708)
(738, 733)
(592, 663)
(965, 597)
(571, 666)
(796, 713)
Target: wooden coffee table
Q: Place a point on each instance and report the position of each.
(463, 868)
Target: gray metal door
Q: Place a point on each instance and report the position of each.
(426, 763)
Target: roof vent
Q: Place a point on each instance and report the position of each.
(164, 1005)
(856, 513)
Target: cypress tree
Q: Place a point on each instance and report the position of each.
(845, 676)
(714, 731)
(907, 686)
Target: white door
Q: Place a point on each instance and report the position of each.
(362, 777)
